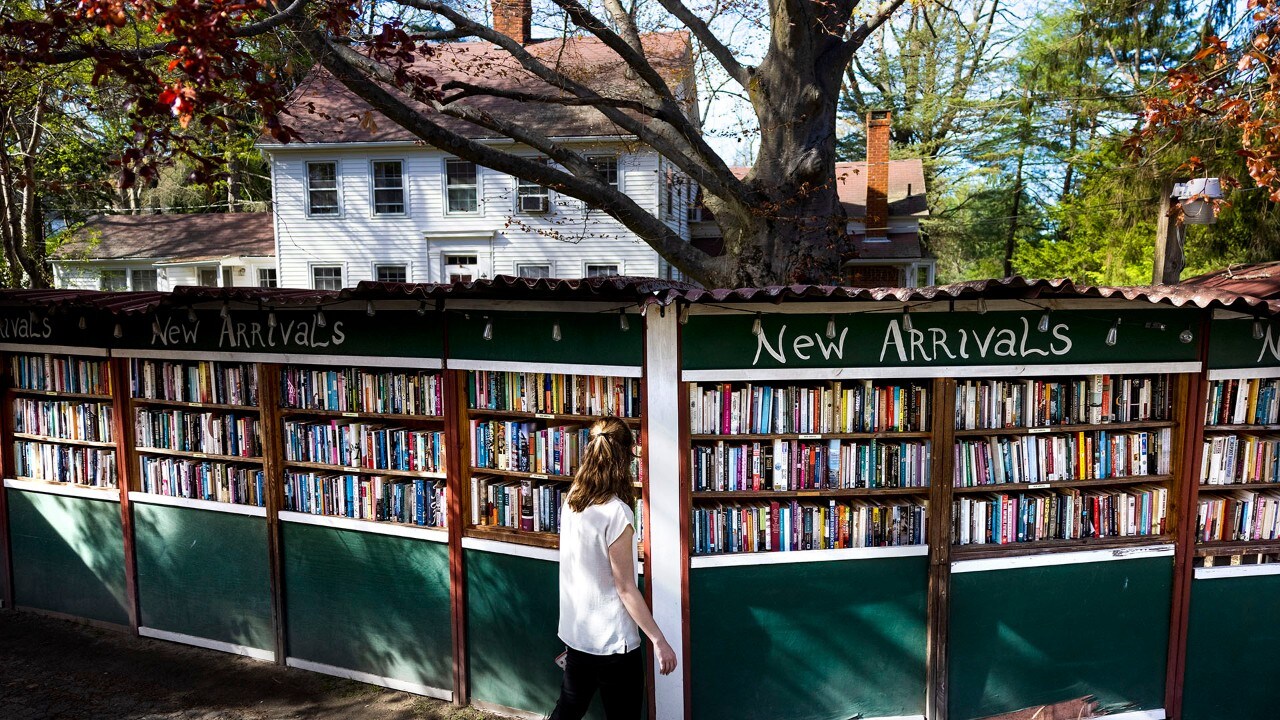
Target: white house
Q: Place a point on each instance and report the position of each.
(161, 252)
(359, 198)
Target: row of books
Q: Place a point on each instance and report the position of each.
(554, 393)
(1243, 402)
(198, 382)
(523, 447)
(517, 504)
(993, 404)
(65, 463)
(728, 409)
(202, 432)
(1235, 459)
(1063, 515)
(1097, 455)
(356, 444)
(61, 373)
(800, 465)
(203, 480)
(412, 501)
(387, 392)
(64, 419)
(1240, 516)
(787, 526)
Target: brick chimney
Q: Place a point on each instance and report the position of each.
(877, 218)
(513, 18)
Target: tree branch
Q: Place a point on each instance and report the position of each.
(868, 26)
(721, 52)
(466, 90)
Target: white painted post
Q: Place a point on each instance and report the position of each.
(663, 407)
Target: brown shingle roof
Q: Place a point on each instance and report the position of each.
(324, 111)
(170, 237)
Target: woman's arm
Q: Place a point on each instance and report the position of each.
(624, 579)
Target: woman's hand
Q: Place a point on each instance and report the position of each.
(666, 656)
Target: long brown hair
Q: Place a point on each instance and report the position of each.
(606, 466)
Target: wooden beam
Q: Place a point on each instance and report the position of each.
(457, 469)
(1168, 258)
(126, 465)
(272, 425)
(7, 469)
(943, 410)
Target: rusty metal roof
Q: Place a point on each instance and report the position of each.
(1258, 279)
(638, 290)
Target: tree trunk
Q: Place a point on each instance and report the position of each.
(1011, 240)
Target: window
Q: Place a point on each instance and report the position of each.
(460, 186)
(322, 188)
(601, 270)
(533, 271)
(143, 279)
(461, 268)
(388, 187)
(608, 167)
(532, 197)
(391, 273)
(207, 276)
(267, 278)
(326, 277)
(114, 280)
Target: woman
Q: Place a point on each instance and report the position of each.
(601, 609)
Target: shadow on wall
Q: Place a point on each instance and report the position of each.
(68, 555)
(204, 573)
(373, 603)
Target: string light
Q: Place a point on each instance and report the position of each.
(831, 327)
(488, 329)
(155, 326)
(555, 331)
(622, 320)
(1185, 336)
(906, 319)
(1044, 321)
(226, 310)
(191, 314)
(83, 323)
(271, 318)
(368, 308)
(320, 318)
(118, 332)
(1114, 333)
(422, 309)
(756, 327)
(982, 306)
(682, 314)
(1257, 329)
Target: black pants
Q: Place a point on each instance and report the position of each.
(619, 678)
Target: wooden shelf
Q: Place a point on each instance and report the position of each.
(196, 405)
(110, 491)
(1108, 482)
(343, 469)
(1206, 487)
(519, 537)
(976, 551)
(1241, 428)
(59, 395)
(514, 474)
(550, 417)
(831, 493)
(192, 455)
(1236, 547)
(887, 435)
(304, 412)
(1056, 429)
(64, 441)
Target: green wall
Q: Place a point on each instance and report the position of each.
(68, 555)
(368, 602)
(513, 609)
(817, 640)
(204, 573)
(1030, 636)
(590, 338)
(1231, 649)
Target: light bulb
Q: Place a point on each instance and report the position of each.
(982, 306)
(422, 309)
(906, 320)
(756, 327)
(271, 319)
(155, 326)
(682, 315)
(831, 327)
(191, 314)
(622, 320)
(1257, 329)
(226, 310)
(118, 332)
(555, 331)
(83, 323)
(368, 308)
(321, 321)
(1185, 336)
(488, 329)
(1114, 333)
(1044, 321)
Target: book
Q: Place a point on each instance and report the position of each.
(203, 480)
(350, 389)
(196, 382)
(67, 420)
(785, 526)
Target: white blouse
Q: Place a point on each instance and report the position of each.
(592, 616)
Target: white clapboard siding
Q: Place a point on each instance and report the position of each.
(568, 237)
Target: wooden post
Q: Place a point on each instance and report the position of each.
(457, 464)
(1190, 418)
(272, 458)
(943, 409)
(1168, 260)
(126, 464)
(6, 470)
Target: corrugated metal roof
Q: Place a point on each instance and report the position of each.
(1257, 279)
(637, 290)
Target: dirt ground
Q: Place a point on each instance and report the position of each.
(57, 670)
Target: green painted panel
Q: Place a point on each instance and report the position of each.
(373, 603)
(594, 338)
(68, 555)
(39, 327)
(1232, 345)
(1231, 649)
(513, 610)
(936, 339)
(204, 573)
(389, 333)
(1029, 636)
(818, 640)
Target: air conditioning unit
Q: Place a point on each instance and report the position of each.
(534, 203)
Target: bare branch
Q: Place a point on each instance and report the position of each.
(466, 90)
(870, 25)
(718, 50)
